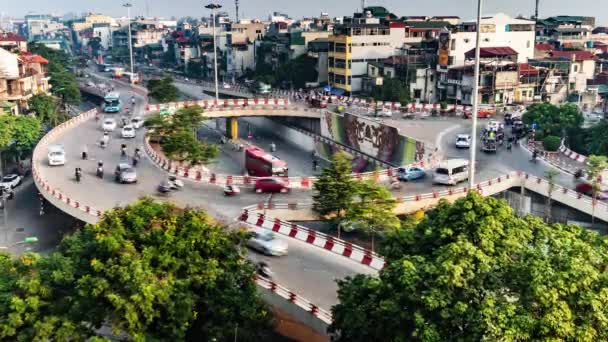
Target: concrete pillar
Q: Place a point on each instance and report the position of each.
(232, 128)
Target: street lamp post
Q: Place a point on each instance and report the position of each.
(128, 6)
(475, 100)
(213, 7)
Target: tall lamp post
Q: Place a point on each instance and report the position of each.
(213, 7)
(128, 6)
(475, 100)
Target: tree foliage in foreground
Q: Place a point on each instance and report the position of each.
(150, 271)
(179, 138)
(553, 120)
(163, 90)
(335, 188)
(473, 271)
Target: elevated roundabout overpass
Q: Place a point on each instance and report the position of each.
(315, 259)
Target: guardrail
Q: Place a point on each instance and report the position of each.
(315, 238)
(303, 182)
(51, 193)
(295, 299)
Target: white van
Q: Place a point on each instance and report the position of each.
(451, 172)
(56, 155)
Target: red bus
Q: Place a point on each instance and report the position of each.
(260, 163)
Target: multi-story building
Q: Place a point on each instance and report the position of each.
(568, 30)
(358, 41)
(41, 26)
(103, 31)
(299, 41)
(318, 49)
(246, 30)
(22, 75)
(497, 30)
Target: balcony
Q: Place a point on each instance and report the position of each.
(341, 71)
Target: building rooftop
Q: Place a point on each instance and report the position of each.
(544, 47)
(488, 52)
(429, 25)
(28, 57)
(11, 37)
(577, 55)
(527, 69)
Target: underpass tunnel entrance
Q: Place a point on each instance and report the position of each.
(232, 128)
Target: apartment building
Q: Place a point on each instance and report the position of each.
(356, 42)
(22, 75)
(497, 30)
(569, 31)
(42, 26)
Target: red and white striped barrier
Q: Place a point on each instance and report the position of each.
(224, 103)
(44, 187)
(334, 245)
(295, 299)
(573, 155)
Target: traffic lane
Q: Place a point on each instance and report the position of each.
(298, 157)
(106, 193)
(24, 219)
(228, 162)
(495, 164)
(192, 90)
(311, 271)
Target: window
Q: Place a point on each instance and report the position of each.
(528, 44)
(575, 68)
(453, 45)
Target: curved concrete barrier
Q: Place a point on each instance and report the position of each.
(75, 207)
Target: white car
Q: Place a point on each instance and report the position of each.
(463, 141)
(266, 242)
(56, 155)
(128, 132)
(10, 181)
(108, 125)
(226, 86)
(385, 113)
(137, 122)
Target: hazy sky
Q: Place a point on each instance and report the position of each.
(466, 9)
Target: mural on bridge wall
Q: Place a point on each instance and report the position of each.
(327, 150)
(372, 138)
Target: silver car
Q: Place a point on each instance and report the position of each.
(267, 243)
(125, 173)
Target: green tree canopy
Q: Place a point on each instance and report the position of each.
(335, 188)
(597, 139)
(195, 69)
(44, 106)
(63, 81)
(473, 271)
(163, 90)
(7, 126)
(178, 136)
(373, 206)
(553, 120)
(27, 131)
(150, 271)
(393, 90)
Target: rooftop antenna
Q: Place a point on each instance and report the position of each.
(536, 11)
(236, 3)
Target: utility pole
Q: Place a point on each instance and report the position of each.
(473, 148)
(362, 6)
(236, 4)
(213, 8)
(536, 10)
(128, 6)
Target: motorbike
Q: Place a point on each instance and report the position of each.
(264, 270)
(78, 174)
(231, 190)
(578, 174)
(170, 184)
(99, 172)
